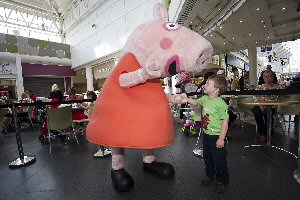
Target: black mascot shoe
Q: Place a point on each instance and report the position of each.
(121, 180)
(160, 169)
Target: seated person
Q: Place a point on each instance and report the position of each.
(86, 105)
(78, 108)
(56, 93)
(4, 97)
(261, 77)
(260, 111)
(2, 102)
(23, 110)
(31, 95)
(55, 96)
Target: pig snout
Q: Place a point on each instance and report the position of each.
(203, 58)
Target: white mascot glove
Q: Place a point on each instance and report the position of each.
(151, 70)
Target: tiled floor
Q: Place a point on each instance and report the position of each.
(71, 172)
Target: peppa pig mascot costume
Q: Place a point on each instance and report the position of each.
(132, 110)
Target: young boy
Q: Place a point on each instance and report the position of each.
(215, 122)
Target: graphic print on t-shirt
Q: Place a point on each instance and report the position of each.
(206, 121)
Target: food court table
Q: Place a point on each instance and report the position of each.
(297, 171)
(269, 129)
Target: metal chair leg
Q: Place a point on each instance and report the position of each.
(31, 123)
(2, 137)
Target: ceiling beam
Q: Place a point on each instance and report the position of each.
(26, 8)
(291, 22)
(231, 7)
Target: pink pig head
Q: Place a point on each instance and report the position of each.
(167, 47)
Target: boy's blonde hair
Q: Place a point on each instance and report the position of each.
(219, 83)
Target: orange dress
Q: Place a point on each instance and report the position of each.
(136, 117)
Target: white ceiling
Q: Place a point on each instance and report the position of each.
(55, 6)
(254, 23)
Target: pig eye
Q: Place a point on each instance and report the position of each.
(170, 26)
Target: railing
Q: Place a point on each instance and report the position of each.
(25, 160)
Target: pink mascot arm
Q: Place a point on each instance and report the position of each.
(131, 79)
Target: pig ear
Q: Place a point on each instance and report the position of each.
(160, 12)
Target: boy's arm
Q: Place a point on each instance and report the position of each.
(191, 101)
(221, 141)
(188, 100)
(224, 129)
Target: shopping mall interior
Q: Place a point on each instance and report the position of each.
(65, 54)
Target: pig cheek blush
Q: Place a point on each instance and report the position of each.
(166, 43)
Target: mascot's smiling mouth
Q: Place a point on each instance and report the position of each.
(172, 67)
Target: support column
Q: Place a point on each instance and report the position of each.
(252, 52)
(60, 24)
(72, 81)
(89, 78)
(19, 81)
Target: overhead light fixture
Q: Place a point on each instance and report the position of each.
(264, 26)
(211, 35)
(233, 38)
(241, 21)
(250, 34)
(221, 27)
(268, 37)
(283, 25)
(283, 8)
(200, 27)
(257, 9)
(224, 43)
(262, 21)
(256, 42)
(191, 22)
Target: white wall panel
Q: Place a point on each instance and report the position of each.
(114, 20)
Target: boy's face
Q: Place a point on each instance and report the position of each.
(209, 87)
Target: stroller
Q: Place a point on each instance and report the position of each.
(191, 126)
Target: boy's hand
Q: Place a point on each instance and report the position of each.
(220, 143)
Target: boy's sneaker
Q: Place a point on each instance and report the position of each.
(207, 180)
(220, 187)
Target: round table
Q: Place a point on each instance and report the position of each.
(269, 106)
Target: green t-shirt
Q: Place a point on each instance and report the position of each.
(214, 112)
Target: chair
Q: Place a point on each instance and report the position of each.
(293, 109)
(239, 106)
(91, 109)
(59, 118)
(29, 116)
(2, 116)
(81, 121)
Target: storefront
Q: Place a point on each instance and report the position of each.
(39, 78)
(8, 79)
